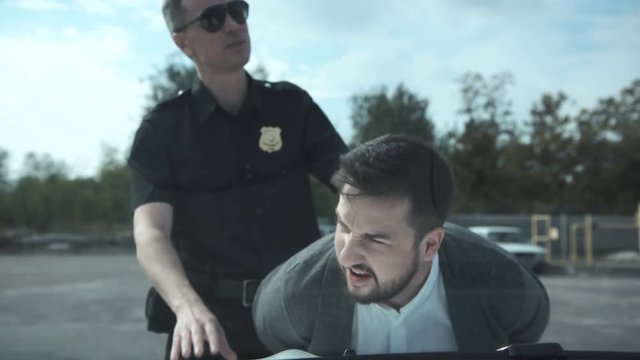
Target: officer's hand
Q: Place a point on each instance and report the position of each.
(196, 326)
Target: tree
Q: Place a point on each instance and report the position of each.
(4, 169)
(608, 170)
(43, 167)
(113, 184)
(5, 209)
(42, 193)
(376, 113)
(167, 82)
(485, 100)
(478, 153)
(552, 159)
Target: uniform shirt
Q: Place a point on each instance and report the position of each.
(423, 325)
(238, 184)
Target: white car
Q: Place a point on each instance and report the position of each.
(510, 238)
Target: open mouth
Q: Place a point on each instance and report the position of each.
(357, 276)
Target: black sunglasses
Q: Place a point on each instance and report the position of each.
(212, 18)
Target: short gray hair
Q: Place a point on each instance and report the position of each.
(173, 13)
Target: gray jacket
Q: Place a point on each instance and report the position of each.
(493, 300)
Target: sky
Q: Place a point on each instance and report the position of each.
(73, 72)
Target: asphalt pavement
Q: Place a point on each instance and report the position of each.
(68, 307)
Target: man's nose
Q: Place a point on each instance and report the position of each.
(351, 253)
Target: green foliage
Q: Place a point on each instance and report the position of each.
(478, 153)
(167, 82)
(608, 138)
(4, 171)
(376, 113)
(44, 198)
(485, 99)
(43, 167)
(324, 200)
(5, 210)
(549, 162)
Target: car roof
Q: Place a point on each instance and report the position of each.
(489, 229)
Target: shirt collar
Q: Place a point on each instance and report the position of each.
(205, 103)
(427, 288)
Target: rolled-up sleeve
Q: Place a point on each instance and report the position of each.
(323, 144)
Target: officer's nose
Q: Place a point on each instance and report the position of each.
(230, 23)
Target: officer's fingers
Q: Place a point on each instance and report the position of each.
(223, 346)
(227, 352)
(185, 343)
(210, 333)
(197, 340)
(218, 341)
(175, 346)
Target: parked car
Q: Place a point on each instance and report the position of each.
(510, 238)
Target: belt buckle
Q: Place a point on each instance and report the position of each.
(246, 301)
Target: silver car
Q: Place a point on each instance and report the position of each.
(510, 238)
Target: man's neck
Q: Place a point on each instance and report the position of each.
(229, 88)
(412, 289)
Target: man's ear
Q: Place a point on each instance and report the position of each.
(431, 243)
(182, 43)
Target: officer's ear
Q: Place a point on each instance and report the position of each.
(430, 243)
(182, 43)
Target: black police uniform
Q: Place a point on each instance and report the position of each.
(239, 187)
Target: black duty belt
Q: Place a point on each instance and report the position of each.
(242, 290)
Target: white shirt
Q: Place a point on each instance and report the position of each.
(423, 325)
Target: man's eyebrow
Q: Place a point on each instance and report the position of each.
(376, 235)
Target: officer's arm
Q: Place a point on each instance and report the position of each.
(195, 325)
(152, 228)
(323, 144)
(151, 198)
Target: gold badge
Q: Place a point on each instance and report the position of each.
(270, 140)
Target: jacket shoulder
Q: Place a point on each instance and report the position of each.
(473, 260)
(305, 270)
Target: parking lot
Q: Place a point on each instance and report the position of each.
(91, 307)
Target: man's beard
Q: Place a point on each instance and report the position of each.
(389, 288)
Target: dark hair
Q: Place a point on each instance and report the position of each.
(400, 166)
(173, 13)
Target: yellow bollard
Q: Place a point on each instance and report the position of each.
(638, 225)
(573, 244)
(588, 238)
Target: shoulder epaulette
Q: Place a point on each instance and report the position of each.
(281, 86)
(182, 94)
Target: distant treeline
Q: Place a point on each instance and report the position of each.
(550, 162)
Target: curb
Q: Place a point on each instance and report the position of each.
(598, 269)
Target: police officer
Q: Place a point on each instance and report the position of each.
(220, 185)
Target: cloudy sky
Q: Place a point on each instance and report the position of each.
(72, 71)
